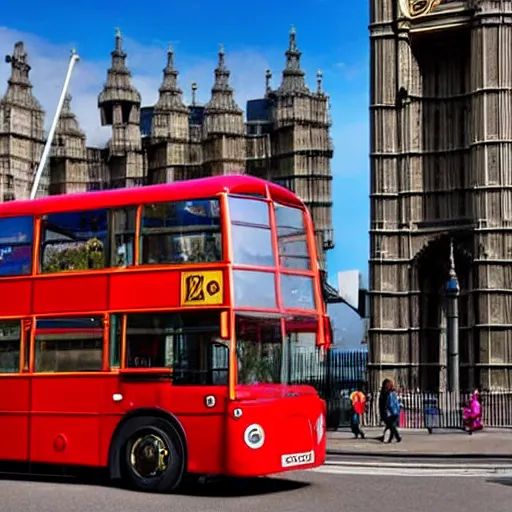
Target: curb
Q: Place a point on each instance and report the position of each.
(421, 465)
(424, 456)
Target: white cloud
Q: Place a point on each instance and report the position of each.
(49, 64)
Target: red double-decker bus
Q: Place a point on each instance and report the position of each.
(150, 331)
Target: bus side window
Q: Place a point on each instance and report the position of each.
(250, 232)
(116, 335)
(122, 236)
(16, 235)
(181, 232)
(69, 344)
(72, 241)
(292, 239)
(10, 344)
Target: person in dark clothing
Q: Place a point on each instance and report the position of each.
(383, 400)
(392, 413)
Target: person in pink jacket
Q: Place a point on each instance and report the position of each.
(473, 414)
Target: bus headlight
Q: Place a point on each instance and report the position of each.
(320, 428)
(254, 436)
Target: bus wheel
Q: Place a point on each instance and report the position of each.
(153, 455)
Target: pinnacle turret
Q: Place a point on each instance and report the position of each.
(170, 117)
(171, 96)
(19, 90)
(222, 94)
(293, 80)
(68, 123)
(118, 88)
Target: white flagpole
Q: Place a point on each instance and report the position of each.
(44, 157)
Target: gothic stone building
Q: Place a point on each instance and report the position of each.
(285, 137)
(441, 175)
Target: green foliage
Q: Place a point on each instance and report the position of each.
(76, 256)
(258, 363)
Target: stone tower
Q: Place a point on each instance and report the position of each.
(119, 105)
(224, 146)
(21, 132)
(170, 130)
(441, 154)
(301, 145)
(68, 161)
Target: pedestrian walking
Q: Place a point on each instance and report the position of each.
(389, 409)
(358, 402)
(383, 399)
(473, 414)
(393, 414)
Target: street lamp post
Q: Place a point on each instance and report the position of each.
(452, 324)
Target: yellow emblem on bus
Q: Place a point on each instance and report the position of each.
(202, 288)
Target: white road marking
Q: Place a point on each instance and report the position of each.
(415, 470)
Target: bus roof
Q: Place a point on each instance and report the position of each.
(176, 191)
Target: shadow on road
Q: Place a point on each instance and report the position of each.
(501, 481)
(241, 487)
(218, 487)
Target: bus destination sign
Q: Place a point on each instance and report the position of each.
(202, 288)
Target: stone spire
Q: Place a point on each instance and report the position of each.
(268, 81)
(170, 129)
(119, 104)
(224, 146)
(68, 123)
(222, 94)
(19, 90)
(319, 79)
(170, 111)
(21, 131)
(68, 161)
(293, 80)
(118, 88)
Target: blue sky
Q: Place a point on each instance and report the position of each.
(332, 35)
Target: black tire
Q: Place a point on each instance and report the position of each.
(133, 435)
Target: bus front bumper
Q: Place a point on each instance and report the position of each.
(268, 435)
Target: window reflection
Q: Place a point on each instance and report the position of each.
(252, 245)
(69, 344)
(250, 232)
(305, 356)
(254, 289)
(181, 232)
(10, 343)
(291, 235)
(259, 349)
(187, 343)
(249, 211)
(123, 232)
(297, 292)
(16, 234)
(74, 241)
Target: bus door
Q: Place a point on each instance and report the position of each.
(67, 389)
(14, 389)
(189, 349)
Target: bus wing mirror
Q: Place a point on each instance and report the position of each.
(327, 341)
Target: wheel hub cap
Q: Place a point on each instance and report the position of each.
(149, 456)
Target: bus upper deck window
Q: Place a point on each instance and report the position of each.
(16, 235)
(250, 232)
(292, 239)
(181, 232)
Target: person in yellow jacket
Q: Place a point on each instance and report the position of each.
(358, 401)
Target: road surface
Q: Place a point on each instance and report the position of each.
(300, 492)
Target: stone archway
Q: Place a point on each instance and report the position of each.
(432, 265)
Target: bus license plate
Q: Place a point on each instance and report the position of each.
(297, 459)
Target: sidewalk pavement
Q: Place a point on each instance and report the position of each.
(442, 443)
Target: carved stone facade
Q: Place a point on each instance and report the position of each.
(441, 154)
(173, 141)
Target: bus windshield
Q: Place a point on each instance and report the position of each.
(259, 349)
